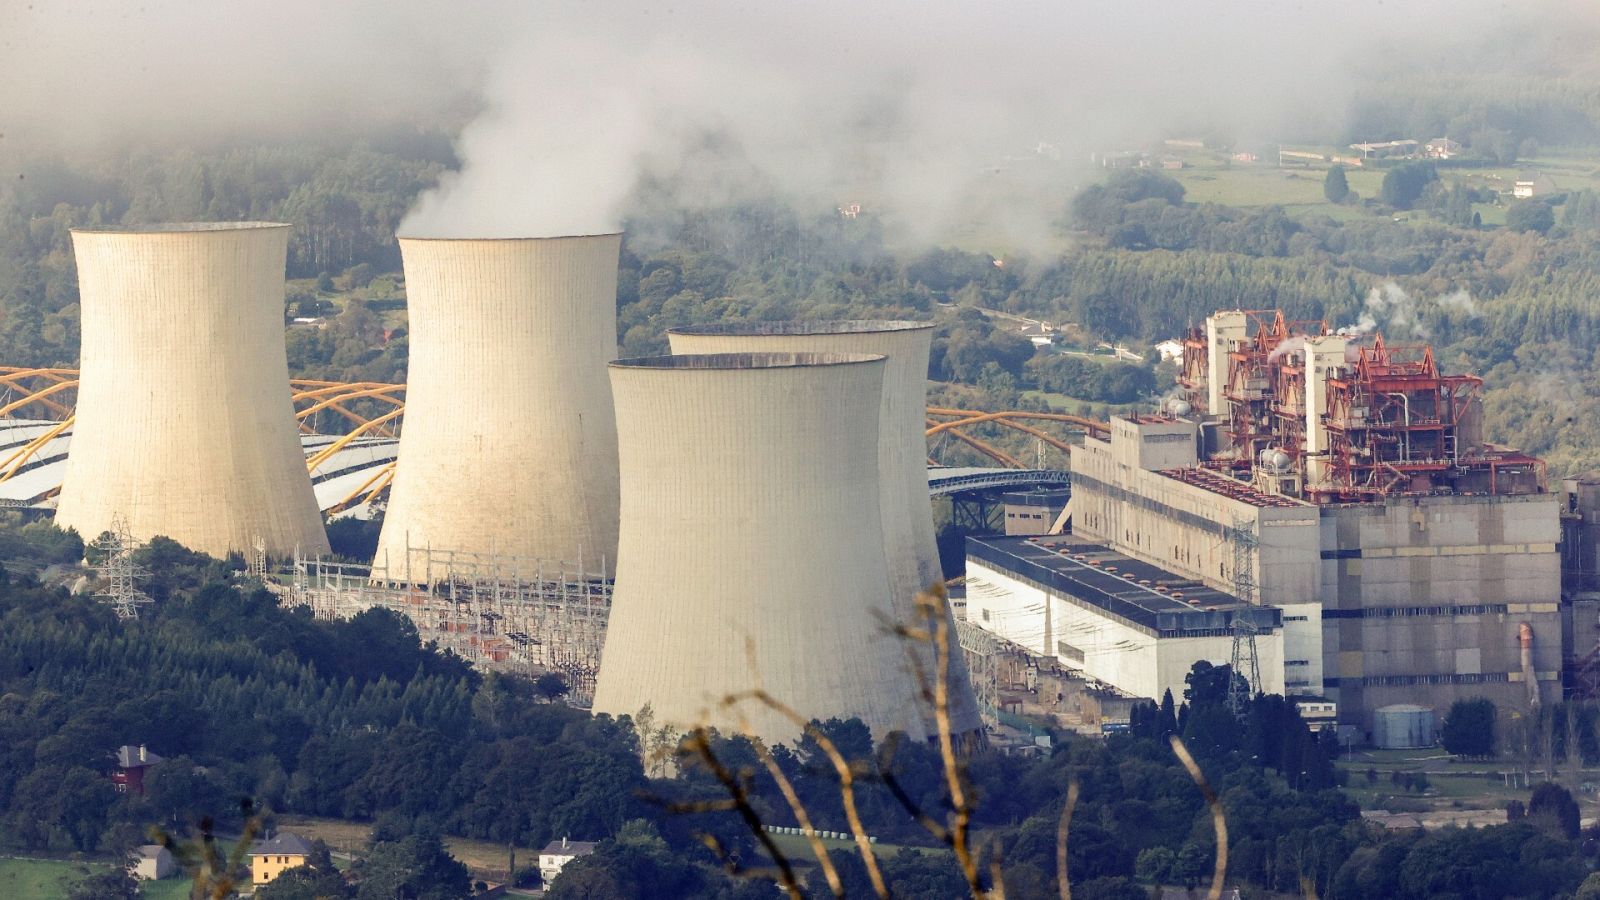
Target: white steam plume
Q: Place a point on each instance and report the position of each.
(906, 107)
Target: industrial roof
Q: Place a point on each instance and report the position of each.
(1144, 594)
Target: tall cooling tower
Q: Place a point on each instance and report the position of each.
(908, 533)
(184, 423)
(509, 445)
(750, 518)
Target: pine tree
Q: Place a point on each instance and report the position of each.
(1335, 187)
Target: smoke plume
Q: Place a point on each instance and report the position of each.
(927, 114)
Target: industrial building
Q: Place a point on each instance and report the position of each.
(907, 515)
(751, 552)
(184, 425)
(1345, 482)
(510, 446)
(1117, 620)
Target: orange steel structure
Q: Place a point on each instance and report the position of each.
(1393, 423)
(353, 410)
(1396, 425)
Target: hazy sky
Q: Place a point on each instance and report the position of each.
(566, 104)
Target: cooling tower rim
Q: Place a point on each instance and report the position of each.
(181, 228)
(500, 239)
(800, 328)
(745, 362)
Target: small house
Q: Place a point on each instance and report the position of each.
(273, 856)
(153, 862)
(132, 765)
(556, 854)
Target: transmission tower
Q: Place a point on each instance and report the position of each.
(1246, 676)
(119, 571)
(1245, 679)
(1243, 539)
(258, 558)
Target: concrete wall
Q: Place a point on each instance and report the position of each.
(509, 444)
(751, 547)
(1103, 646)
(1423, 598)
(1183, 527)
(907, 512)
(1302, 648)
(184, 423)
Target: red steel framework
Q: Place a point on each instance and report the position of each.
(1261, 371)
(1397, 426)
(1394, 424)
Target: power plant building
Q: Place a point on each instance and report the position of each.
(906, 511)
(1345, 482)
(184, 425)
(751, 552)
(509, 445)
(1117, 620)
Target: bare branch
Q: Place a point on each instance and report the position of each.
(841, 766)
(801, 814)
(1062, 878)
(1219, 822)
(700, 742)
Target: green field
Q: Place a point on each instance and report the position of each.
(40, 879)
(1210, 177)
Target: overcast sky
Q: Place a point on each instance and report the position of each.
(562, 105)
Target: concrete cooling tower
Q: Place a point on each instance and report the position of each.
(908, 533)
(509, 445)
(184, 423)
(750, 516)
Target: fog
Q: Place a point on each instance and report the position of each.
(918, 111)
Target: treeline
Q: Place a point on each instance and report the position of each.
(243, 698)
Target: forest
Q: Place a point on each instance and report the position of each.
(356, 720)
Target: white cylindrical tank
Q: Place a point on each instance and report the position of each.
(1402, 726)
(185, 427)
(750, 554)
(509, 445)
(908, 534)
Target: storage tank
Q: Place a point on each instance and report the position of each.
(908, 533)
(1402, 726)
(751, 552)
(509, 446)
(184, 424)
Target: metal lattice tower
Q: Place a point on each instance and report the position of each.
(1245, 679)
(258, 558)
(119, 571)
(1243, 539)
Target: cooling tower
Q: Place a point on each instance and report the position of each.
(908, 534)
(184, 423)
(750, 520)
(509, 445)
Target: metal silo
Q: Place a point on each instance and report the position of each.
(184, 424)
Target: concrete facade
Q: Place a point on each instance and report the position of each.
(1417, 599)
(1185, 527)
(184, 423)
(751, 552)
(509, 445)
(907, 512)
(1424, 596)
